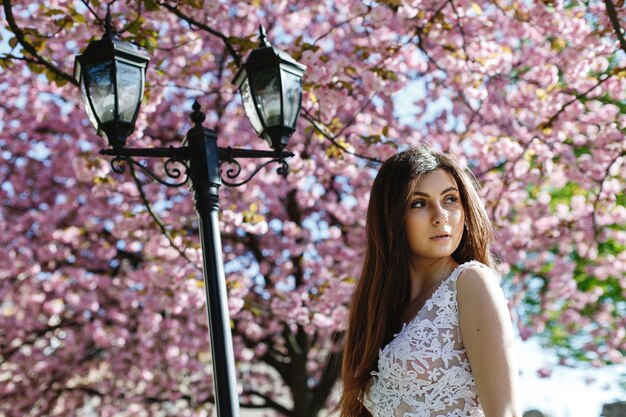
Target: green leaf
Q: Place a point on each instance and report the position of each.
(392, 4)
(581, 150)
(606, 99)
(371, 139)
(151, 5)
(245, 44)
(60, 23)
(309, 46)
(79, 18)
(53, 12)
(610, 247)
(60, 82)
(384, 73)
(51, 76)
(135, 27)
(196, 4)
(35, 68)
(564, 195)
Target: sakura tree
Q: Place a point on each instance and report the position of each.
(102, 305)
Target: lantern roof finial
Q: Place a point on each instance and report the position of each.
(108, 26)
(263, 41)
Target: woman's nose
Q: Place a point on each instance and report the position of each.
(440, 216)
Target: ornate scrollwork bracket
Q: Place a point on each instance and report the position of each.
(177, 157)
(175, 167)
(229, 156)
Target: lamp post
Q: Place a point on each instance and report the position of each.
(111, 75)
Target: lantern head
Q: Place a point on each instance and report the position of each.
(270, 83)
(111, 74)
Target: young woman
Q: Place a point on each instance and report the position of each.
(429, 332)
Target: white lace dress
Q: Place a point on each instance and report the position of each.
(424, 371)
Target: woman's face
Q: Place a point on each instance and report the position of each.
(435, 217)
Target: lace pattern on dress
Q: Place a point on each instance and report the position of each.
(424, 370)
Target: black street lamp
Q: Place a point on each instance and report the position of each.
(111, 74)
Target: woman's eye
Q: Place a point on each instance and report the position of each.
(452, 199)
(417, 204)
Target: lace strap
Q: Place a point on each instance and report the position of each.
(455, 274)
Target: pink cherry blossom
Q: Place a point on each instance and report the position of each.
(102, 298)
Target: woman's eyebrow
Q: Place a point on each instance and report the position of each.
(447, 190)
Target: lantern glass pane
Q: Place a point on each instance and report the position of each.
(292, 93)
(87, 103)
(129, 90)
(266, 89)
(249, 107)
(101, 90)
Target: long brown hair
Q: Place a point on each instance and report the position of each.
(381, 293)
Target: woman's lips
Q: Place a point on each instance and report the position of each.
(441, 237)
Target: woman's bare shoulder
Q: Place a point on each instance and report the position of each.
(478, 280)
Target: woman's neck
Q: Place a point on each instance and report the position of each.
(424, 274)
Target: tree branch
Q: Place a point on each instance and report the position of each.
(282, 368)
(30, 49)
(156, 218)
(91, 9)
(330, 374)
(596, 202)
(207, 28)
(461, 31)
(577, 96)
(325, 132)
(269, 403)
(339, 24)
(610, 10)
